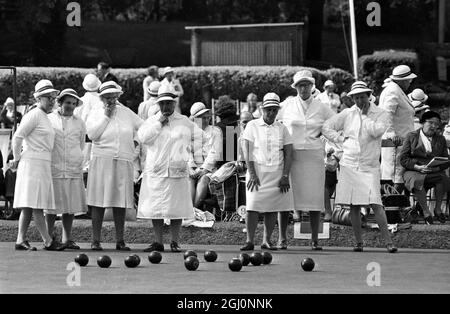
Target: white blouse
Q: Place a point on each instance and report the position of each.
(305, 126)
(113, 137)
(67, 155)
(169, 147)
(268, 143)
(38, 135)
(360, 137)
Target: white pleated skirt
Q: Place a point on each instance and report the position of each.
(165, 198)
(268, 198)
(34, 185)
(308, 180)
(70, 196)
(110, 183)
(357, 187)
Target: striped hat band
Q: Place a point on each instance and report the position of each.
(403, 74)
(167, 95)
(106, 87)
(44, 88)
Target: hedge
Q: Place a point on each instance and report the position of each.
(199, 83)
(375, 68)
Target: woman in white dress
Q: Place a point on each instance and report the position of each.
(112, 129)
(304, 116)
(164, 193)
(362, 127)
(34, 186)
(268, 155)
(67, 165)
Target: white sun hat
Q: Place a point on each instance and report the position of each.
(9, 100)
(359, 87)
(44, 87)
(417, 97)
(91, 83)
(303, 75)
(153, 88)
(110, 87)
(198, 109)
(328, 83)
(402, 72)
(70, 92)
(166, 92)
(271, 100)
(167, 70)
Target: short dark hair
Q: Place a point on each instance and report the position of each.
(153, 71)
(61, 100)
(429, 115)
(104, 65)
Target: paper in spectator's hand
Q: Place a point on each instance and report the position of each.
(437, 161)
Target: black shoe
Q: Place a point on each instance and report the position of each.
(24, 246)
(391, 248)
(248, 247)
(155, 246)
(315, 246)
(120, 246)
(71, 245)
(441, 218)
(358, 248)
(95, 246)
(282, 245)
(174, 247)
(268, 246)
(428, 220)
(55, 246)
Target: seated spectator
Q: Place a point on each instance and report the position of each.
(328, 97)
(333, 155)
(104, 73)
(447, 134)
(420, 147)
(8, 115)
(225, 109)
(152, 76)
(252, 106)
(246, 117)
(206, 154)
(418, 99)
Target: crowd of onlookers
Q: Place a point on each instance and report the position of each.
(296, 155)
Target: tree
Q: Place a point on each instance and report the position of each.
(42, 25)
(314, 44)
